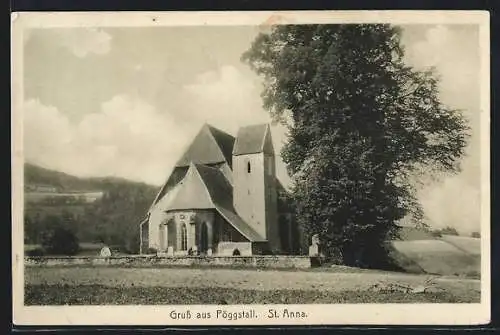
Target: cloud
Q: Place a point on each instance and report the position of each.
(126, 138)
(453, 52)
(454, 203)
(228, 99)
(130, 138)
(85, 41)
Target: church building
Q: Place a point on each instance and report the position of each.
(222, 198)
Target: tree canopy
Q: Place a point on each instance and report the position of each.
(59, 238)
(360, 123)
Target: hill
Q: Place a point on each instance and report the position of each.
(112, 217)
(62, 182)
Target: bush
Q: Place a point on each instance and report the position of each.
(449, 231)
(35, 252)
(436, 233)
(475, 234)
(151, 251)
(60, 240)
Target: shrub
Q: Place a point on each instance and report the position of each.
(60, 240)
(151, 251)
(35, 252)
(475, 234)
(436, 233)
(449, 231)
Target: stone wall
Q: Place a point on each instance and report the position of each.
(298, 262)
(227, 248)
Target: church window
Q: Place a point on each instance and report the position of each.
(183, 237)
(249, 168)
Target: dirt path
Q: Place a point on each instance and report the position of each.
(233, 278)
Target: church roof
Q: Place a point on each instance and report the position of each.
(253, 139)
(175, 177)
(205, 187)
(210, 146)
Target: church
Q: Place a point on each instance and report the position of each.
(222, 198)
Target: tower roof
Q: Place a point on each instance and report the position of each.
(210, 146)
(253, 139)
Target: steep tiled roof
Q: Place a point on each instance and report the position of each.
(253, 139)
(175, 177)
(189, 193)
(225, 142)
(210, 146)
(217, 185)
(205, 187)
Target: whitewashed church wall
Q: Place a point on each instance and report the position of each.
(249, 190)
(157, 217)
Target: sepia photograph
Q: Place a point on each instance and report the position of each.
(250, 168)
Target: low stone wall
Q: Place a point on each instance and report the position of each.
(228, 248)
(277, 262)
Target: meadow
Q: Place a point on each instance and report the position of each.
(444, 270)
(151, 286)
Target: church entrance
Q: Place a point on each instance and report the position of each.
(204, 238)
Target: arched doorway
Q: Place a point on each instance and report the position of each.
(204, 237)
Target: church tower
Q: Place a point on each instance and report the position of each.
(254, 180)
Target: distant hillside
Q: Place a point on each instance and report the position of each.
(112, 218)
(63, 182)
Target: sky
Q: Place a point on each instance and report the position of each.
(126, 102)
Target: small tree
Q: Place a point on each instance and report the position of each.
(59, 239)
(449, 231)
(436, 233)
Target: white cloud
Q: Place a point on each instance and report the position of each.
(85, 41)
(126, 138)
(226, 98)
(453, 203)
(131, 139)
(229, 99)
(455, 59)
(455, 200)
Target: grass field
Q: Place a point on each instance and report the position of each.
(469, 245)
(103, 295)
(449, 255)
(59, 286)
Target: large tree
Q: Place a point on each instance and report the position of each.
(360, 123)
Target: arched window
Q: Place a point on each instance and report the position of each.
(184, 237)
(249, 168)
(236, 252)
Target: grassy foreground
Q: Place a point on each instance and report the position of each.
(45, 294)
